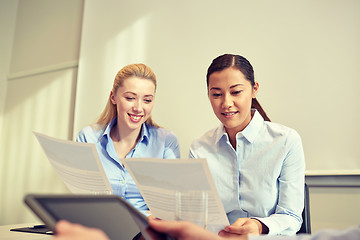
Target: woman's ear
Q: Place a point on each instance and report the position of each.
(112, 98)
(255, 89)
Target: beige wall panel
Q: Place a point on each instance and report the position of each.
(8, 12)
(47, 33)
(336, 208)
(43, 103)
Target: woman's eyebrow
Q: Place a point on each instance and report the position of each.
(132, 93)
(129, 92)
(236, 85)
(233, 86)
(215, 88)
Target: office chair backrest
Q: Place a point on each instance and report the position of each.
(306, 226)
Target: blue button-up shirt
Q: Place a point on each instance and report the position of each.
(262, 178)
(153, 143)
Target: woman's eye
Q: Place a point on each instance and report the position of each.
(216, 94)
(148, 100)
(129, 98)
(236, 92)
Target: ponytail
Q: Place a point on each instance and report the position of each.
(255, 104)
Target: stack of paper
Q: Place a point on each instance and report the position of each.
(159, 179)
(80, 168)
(78, 165)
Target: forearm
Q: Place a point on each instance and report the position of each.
(280, 224)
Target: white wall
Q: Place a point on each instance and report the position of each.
(334, 207)
(40, 94)
(8, 12)
(305, 55)
(7, 25)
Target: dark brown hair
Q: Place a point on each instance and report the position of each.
(243, 65)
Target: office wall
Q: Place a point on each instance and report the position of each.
(305, 55)
(7, 25)
(8, 12)
(334, 207)
(40, 95)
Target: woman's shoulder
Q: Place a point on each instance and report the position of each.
(278, 129)
(160, 132)
(209, 137)
(90, 134)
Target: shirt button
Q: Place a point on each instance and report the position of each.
(123, 181)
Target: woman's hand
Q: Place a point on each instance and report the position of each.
(182, 230)
(244, 226)
(71, 231)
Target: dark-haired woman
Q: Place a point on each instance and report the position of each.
(258, 166)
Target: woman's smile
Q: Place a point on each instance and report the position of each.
(229, 114)
(135, 118)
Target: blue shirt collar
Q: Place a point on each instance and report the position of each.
(144, 134)
(144, 137)
(254, 127)
(249, 133)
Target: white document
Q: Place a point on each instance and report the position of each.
(159, 179)
(78, 165)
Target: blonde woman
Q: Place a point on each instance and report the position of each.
(125, 130)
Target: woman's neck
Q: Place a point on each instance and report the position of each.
(232, 132)
(124, 139)
(119, 134)
(232, 138)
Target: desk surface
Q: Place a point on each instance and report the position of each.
(6, 234)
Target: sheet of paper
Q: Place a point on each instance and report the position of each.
(159, 179)
(78, 165)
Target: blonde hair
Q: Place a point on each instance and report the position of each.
(133, 70)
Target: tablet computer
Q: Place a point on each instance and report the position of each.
(111, 213)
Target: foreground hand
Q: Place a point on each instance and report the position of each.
(71, 231)
(243, 226)
(181, 230)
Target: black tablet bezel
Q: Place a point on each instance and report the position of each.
(37, 203)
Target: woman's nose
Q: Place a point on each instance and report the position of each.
(227, 102)
(137, 106)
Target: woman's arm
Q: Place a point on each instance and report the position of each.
(172, 149)
(287, 217)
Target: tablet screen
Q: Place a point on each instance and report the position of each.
(110, 213)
